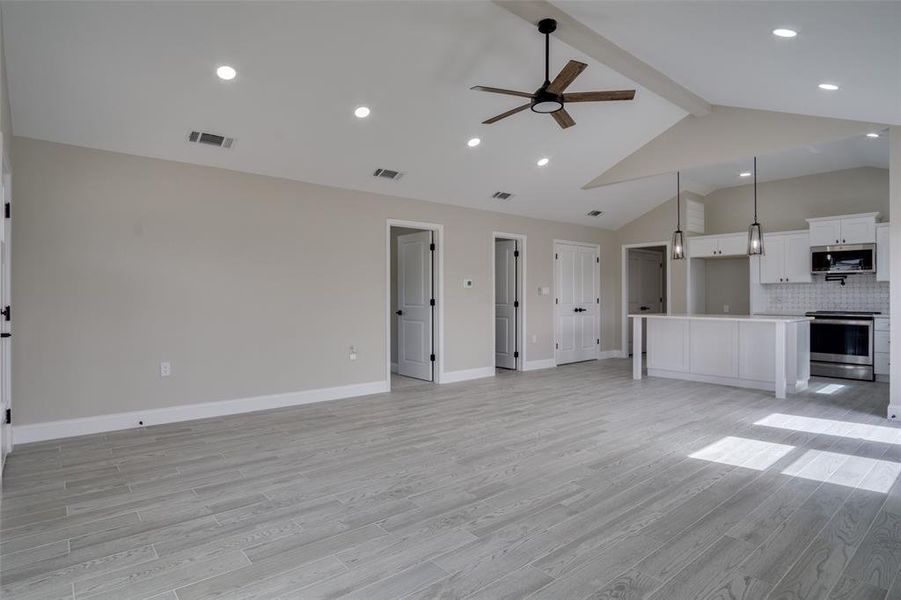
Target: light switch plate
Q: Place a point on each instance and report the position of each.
(544, 290)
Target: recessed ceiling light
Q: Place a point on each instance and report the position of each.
(829, 87)
(873, 135)
(744, 174)
(543, 161)
(473, 142)
(361, 112)
(785, 33)
(226, 72)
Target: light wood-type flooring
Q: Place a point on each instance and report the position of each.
(567, 483)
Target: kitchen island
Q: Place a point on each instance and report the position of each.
(761, 352)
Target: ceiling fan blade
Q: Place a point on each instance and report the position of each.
(494, 90)
(506, 114)
(599, 96)
(563, 118)
(566, 76)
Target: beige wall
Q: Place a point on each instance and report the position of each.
(250, 285)
(728, 283)
(783, 205)
(5, 119)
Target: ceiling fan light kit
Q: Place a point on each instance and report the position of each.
(550, 98)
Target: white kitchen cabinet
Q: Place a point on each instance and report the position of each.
(710, 246)
(846, 229)
(786, 258)
(882, 357)
(882, 252)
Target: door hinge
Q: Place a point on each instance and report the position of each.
(432, 357)
(9, 416)
(516, 254)
(516, 355)
(432, 302)
(599, 340)
(556, 300)
(661, 298)
(516, 304)
(432, 247)
(556, 345)
(597, 259)
(556, 256)
(597, 300)
(6, 313)
(7, 210)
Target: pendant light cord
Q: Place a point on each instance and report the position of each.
(755, 189)
(679, 204)
(547, 58)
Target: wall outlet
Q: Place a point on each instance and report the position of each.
(467, 283)
(165, 368)
(726, 308)
(353, 353)
(544, 290)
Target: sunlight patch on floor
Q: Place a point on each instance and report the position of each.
(743, 452)
(847, 470)
(848, 429)
(831, 388)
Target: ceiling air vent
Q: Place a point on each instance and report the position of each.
(595, 213)
(502, 195)
(387, 174)
(210, 139)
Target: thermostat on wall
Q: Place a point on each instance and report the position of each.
(467, 283)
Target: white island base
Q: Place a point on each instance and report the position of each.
(765, 353)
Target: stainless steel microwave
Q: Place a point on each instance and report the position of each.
(848, 258)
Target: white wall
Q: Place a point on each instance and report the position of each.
(250, 285)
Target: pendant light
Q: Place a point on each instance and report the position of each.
(678, 242)
(755, 236)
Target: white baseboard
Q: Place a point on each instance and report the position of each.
(466, 374)
(605, 354)
(894, 411)
(51, 430)
(534, 365)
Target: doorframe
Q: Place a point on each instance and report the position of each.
(520, 295)
(624, 286)
(437, 279)
(8, 440)
(598, 329)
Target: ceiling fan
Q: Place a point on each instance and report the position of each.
(549, 98)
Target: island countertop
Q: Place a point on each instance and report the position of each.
(758, 318)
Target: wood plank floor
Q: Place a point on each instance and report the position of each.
(569, 483)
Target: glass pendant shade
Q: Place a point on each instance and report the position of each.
(678, 245)
(755, 239)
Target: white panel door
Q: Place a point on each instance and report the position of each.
(414, 310)
(578, 314)
(882, 253)
(733, 245)
(859, 230)
(797, 258)
(505, 304)
(772, 263)
(826, 233)
(6, 341)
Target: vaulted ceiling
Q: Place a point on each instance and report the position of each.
(136, 77)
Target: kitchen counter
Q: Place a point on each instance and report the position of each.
(767, 352)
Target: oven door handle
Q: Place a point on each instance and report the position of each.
(864, 322)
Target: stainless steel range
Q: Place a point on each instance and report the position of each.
(841, 344)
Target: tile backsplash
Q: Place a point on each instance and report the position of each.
(860, 292)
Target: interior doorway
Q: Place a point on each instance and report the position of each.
(646, 288)
(6, 438)
(577, 302)
(508, 308)
(413, 303)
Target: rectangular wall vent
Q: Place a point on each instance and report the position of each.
(595, 213)
(387, 174)
(210, 139)
(502, 195)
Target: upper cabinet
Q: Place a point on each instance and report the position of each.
(786, 258)
(882, 252)
(848, 229)
(710, 246)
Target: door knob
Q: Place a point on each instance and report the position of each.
(644, 308)
(398, 312)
